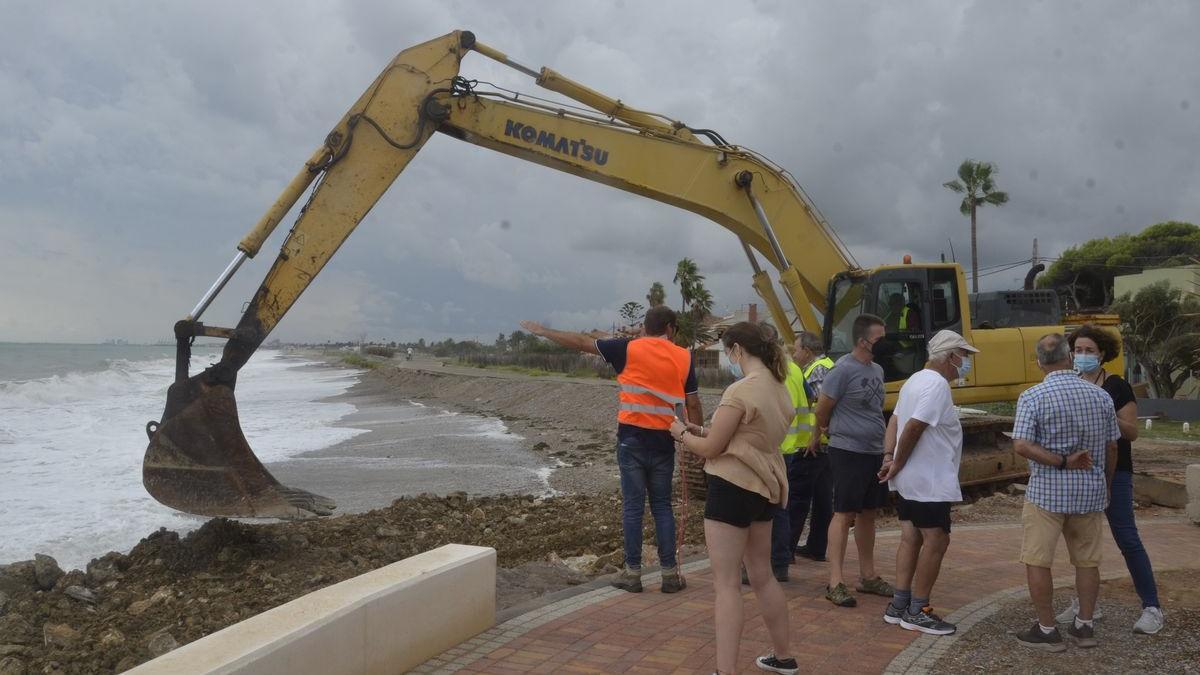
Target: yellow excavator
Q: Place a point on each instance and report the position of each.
(198, 459)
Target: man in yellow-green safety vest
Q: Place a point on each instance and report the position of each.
(810, 485)
(796, 442)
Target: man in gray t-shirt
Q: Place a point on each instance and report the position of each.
(857, 418)
(851, 409)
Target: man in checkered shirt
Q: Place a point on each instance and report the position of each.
(1067, 428)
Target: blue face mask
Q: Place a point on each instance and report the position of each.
(1087, 363)
(735, 368)
(965, 367)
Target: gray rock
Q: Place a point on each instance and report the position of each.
(17, 576)
(102, 570)
(16, 630)
(516, 520)
(160, 596)
(384, 532)
(81, 594)
(160, 643)
(59, 635)
(11, 665)
(111, 638)
(46, 571)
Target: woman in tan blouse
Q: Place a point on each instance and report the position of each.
(747, 481)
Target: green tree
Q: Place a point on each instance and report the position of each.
(1160, 327)
(701, 308)
(632, 311)
(978, 189)
(1085, 273)
(657, 295)
(518, 339)
(691, 322)
(687, 276)
(501, 343)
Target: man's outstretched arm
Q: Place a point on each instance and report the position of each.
(576, 341)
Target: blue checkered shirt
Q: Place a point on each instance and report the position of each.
(1064, 414)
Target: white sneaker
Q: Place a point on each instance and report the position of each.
(1068, 615)
(1151, 621)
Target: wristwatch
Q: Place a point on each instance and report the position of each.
(1064, 463)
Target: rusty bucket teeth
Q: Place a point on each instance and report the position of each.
(198, 461)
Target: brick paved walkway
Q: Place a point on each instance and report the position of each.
(610, 631)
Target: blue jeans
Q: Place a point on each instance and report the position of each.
(781, 536)
(1124, 530)
(646, 471)
(809, 488)
(811, 491)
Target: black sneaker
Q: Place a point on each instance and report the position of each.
(781, 574)
(892, 615)
(806, 552)
(775, 665)
(1034, 638)
(926, 622)
(1082, 636)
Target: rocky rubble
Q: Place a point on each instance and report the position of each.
(170, 590)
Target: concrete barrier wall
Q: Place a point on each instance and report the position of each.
(385, 621)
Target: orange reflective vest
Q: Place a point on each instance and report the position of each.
(652, 382)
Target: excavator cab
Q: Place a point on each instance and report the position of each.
(914, 302)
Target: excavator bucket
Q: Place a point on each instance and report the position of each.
(198, 460)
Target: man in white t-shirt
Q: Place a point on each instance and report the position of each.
(922, 451)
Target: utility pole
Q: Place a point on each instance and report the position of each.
(1035, 253)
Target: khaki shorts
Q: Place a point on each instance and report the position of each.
(1083, 533)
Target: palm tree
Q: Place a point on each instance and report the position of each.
(688, 276)
(657, 295)
(975, 184)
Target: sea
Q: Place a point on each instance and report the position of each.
(72, 437)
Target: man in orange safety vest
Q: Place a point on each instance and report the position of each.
(655, 375)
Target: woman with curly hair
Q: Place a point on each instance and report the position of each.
(747, 481)
(1093, 347)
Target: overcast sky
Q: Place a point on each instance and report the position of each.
(139, 141)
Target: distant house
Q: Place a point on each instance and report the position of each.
(1185, 278)
(713, 355)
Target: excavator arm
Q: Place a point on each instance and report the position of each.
(198, 459)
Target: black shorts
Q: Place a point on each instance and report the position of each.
(924, 515)
(856, 485)
(737, 506)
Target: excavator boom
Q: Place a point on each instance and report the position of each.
(199, 461)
